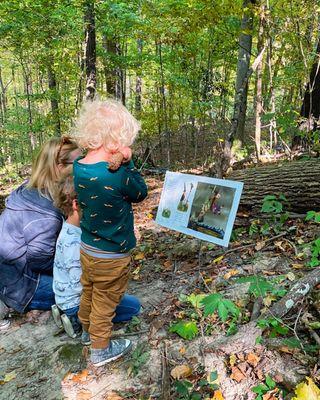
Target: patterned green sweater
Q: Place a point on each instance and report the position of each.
(105, 198)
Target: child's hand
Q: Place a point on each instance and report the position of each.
(115, 161)
(123, 155)
(127, 153)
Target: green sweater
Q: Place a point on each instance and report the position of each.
(105, 198)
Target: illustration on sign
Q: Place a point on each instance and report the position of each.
(199, 206)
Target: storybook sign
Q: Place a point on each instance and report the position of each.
(199, 206)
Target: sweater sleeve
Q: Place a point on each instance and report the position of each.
(133, 185)
(40, 236)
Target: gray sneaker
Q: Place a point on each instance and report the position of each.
(4, 310)
(116, 349)
(4, 324)
(71, 325)
(85, 338)
(56, 316)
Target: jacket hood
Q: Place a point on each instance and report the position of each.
(29, 199)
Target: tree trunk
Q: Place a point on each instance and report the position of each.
(164, 104)
(299, 181)
(311, 103)
(90, 52)
(54, 99)
(258, 104)
(138, 80)
(244, 54)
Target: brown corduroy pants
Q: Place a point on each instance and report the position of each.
(104, 283)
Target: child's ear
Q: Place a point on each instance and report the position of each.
(75, 205)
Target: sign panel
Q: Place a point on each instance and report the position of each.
(199, 206)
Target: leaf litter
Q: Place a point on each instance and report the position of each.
(165, 265)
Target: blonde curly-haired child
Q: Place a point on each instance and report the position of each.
(105, 129)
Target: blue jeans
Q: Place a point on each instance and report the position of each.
(43, 299)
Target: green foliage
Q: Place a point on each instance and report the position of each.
(260, 286)
(187, 390)
(315, 254)
(313, 216)
(273, 204)
(138, 358)
(275, 326)
(262, 388)
(204, 306)
(216, 303)
(186, 329)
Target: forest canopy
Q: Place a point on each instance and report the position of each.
(174, 63)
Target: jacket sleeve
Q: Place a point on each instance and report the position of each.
(133, 185)
(41, 236)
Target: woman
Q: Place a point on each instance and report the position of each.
(29, 227)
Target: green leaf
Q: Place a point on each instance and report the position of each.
(224, 307)
(183, 387)
(196, 300)
(233, 329)
(213, 376)
(211, 303)
(186, 329)
(260, 389)
(270, 382)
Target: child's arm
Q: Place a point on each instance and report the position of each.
(133, 185)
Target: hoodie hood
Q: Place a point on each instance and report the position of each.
(29, 199)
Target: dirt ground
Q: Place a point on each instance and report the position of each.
(38, 362)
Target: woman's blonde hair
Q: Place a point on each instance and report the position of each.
(105, 123)
(45, 169)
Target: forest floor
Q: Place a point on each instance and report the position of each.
(170, 274)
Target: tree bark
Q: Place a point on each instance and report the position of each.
(258, 111)
(54, 99)
(90, 52)
(138, 80)
(299, 181)
(311, 103)
(244, 54)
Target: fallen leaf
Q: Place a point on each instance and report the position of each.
(113, 396)
(182, 350)
(8, 377)
(291, 276)
(259, 374)
(260, 245)
(217, 395)
(84, 394)
(139, 257)
(253, 359)
(267, 300)
(81, 376)
(307, 391)
(217, 260)
(167, 265)
(230, 273)
(237, 375)
(181, 371)
(297, 266)
(232, 359)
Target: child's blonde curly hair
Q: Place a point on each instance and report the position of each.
(105, 123)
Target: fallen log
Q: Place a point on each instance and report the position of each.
(299, 181)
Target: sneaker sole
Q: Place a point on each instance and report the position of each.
(4, 324)
(68, 326)
(126, 351)
(87, 343)
(56, 316)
